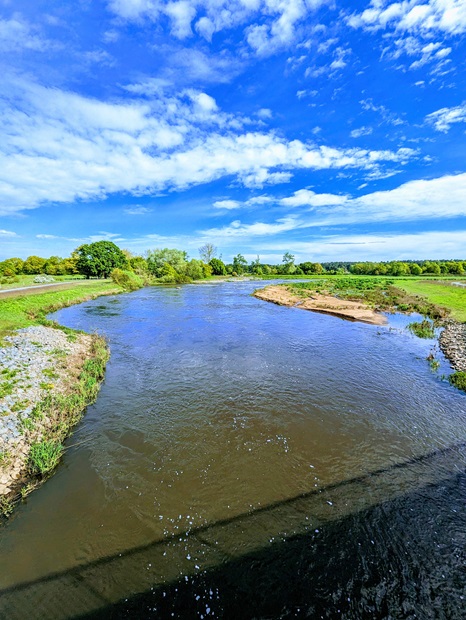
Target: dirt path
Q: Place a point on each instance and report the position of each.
(327, 304)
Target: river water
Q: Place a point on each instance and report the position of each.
(245, 460)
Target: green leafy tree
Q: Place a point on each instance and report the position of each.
(99, 259)
(13, 266)
(240, 264)
(55, 266)
(308, 268)
(195, 269)
(256, 266)
(288, 265)
(218, 267)
(138, 264)
(415, 269)
(34, 264)
(158, 259)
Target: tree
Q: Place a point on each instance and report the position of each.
(158, 259)
(240, 264)
(34, 264)
(308, 268)
(98, 259)
(195, 269)
(288, 263)
(256, 266)
(218, 267)
(415, 269)
(13, 266)
(207, 252)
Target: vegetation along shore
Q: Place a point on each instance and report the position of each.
(441, 304)
(48, 375)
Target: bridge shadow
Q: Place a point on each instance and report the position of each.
(391, 544)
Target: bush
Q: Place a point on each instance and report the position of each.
(424, 329)
(128, 280)
(43, 279)
(458, 379)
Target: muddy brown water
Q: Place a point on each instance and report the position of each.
(245, 460)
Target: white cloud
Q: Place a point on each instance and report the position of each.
(418, 200)
(362, 131)
(16, 34)
(7, 233)
(444, 118)
(445, 16)
(193, 65)
(420, 246)
(306, 197)
(59, 146)
(44, 236)
(414, 22)
(269, 24)
(264, 114)
(137, 210)
(227, 204)
(258, 229)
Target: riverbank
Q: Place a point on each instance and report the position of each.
(318, 302)
(48, 376)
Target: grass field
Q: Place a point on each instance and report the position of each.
(439, 293)
(23, 280)
(24, 310)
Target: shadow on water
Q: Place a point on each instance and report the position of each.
(376, 546)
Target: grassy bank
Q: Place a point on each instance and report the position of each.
(53, 416)
(382, 294)
(440, 293)
(51, 422)
(25, 310)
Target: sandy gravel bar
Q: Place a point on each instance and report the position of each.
(36, 362)
(317, 302)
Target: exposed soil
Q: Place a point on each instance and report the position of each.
(326, 304)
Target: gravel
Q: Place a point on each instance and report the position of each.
(453, 344)
(33, 364)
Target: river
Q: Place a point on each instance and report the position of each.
(245, 460)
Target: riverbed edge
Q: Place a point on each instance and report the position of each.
(54, 414)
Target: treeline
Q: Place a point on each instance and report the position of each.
(103, 259)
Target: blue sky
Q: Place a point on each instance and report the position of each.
(332, 130)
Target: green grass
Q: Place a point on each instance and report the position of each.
(424, 329)
(44, 456)
(446, 295)
(25, 310)
(458, 379)
(25, 280)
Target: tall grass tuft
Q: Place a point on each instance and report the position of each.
(44, 456)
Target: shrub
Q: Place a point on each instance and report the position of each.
(127, 279)
(424, 329)
(458, 379)
(43, 279)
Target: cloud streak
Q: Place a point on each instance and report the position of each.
(59, 146)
